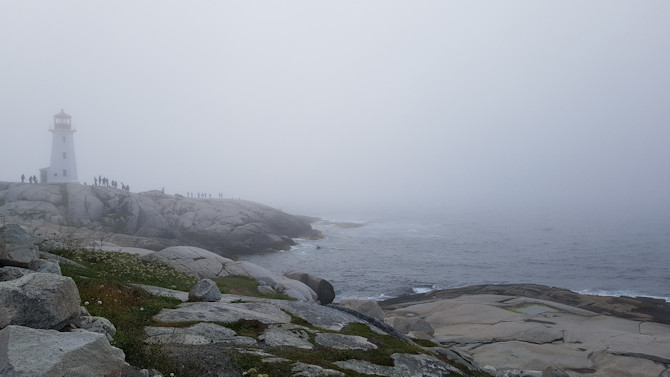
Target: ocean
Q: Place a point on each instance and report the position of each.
(379, 257)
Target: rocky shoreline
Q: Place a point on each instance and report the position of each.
(530, 326)
(508, 330)
(489, 330)
(150, 220)
(634, 308)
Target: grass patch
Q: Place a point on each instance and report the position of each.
(245, 286)
(126, 269)
(130, 309)
(425, 343)
(105, 291)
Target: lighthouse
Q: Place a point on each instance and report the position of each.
(63, 166)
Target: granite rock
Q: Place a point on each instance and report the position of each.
(16, 247)
(323, 289)
(226, 226)
(39, 300)
(54, 353)
(205, 290)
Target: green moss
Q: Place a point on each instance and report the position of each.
(245, 286)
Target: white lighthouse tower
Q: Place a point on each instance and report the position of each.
(63, 162)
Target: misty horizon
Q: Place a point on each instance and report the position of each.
(350, 107)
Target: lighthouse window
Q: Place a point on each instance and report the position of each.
(64, 155)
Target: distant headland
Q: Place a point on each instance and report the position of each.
(151, 220)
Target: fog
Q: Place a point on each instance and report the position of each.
(349, 106)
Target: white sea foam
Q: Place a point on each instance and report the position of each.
(423, 289)
(379, 297)
(620, 293)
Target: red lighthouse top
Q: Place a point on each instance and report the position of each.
(62, 121)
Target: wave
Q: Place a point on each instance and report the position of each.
(379, 297)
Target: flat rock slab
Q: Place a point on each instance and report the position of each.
(531, 333)
(287, 335)
(224, 312)
(198, 334)
(112, 248)
(515, 354)
(164, 292)
(318, 315)
(309, 370)
(344, 342)
(405, 365)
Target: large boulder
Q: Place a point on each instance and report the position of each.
(367, 307)
(295, 289)
(205, 290)
(406, 325)
(39, 300)
(16, 246)
(32, 352)
(324, 290)
(193, 260)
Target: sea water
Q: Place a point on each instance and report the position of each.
(378, 257)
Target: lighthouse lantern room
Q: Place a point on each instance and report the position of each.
(63, 166)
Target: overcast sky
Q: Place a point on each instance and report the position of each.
(311, 106)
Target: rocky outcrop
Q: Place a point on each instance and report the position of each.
(296, 328)
(54, 353)
(521, 336)
(207, 265)
(201, 333)
(34, 303)
(151, 219)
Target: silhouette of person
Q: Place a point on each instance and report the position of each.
(23, 178)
